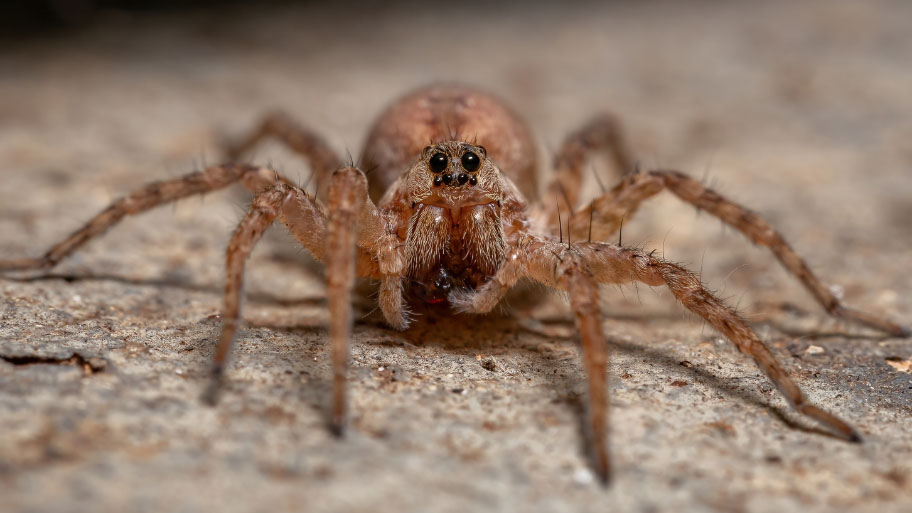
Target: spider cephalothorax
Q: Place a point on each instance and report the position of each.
(452, 225)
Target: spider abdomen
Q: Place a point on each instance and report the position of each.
(445, 112)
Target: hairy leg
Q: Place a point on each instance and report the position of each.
(569, 272)
(584, 298)
(614, 264)
(352, 238)
(360, 240)
(608, 211)
(303, 141)
(345, 204)
(275, 197)
(564, 266)
(148, 197)
(264, 210)
(601, 134)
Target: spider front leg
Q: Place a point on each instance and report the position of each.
(264, 210)
(576, 279)
(617, 265)
(304, 219)
(608, 211)
(571, 274)
(359, 240)
(346, 201)
(353, 239)
(577, 268)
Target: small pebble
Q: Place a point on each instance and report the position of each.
(583, 476)
(900, 364)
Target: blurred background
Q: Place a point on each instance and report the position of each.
(800, 110)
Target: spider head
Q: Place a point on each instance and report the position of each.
(453, 175)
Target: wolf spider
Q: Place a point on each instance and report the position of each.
(451, 224)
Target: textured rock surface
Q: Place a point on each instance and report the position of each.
(802, 113)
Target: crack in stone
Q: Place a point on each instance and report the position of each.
(89, 366)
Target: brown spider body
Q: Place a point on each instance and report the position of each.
(452, 168)
(455, 234)
(448, 113)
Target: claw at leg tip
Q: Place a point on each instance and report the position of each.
(211, 393)
(604, 477)
(602, 468)
(337, 427)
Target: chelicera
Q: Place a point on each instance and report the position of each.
(450, 223)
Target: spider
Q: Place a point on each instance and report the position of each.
(443, 220)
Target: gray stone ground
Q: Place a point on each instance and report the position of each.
(802, 112)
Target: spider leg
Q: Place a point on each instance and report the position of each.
(303, 141)
(352, 239)
(571, 273)
(623, 200)
(584, 298)
(356, 228)
(148, 197)
(601, 134)
(263, 212)
(345, 203)
(615, 264)
(577, 268)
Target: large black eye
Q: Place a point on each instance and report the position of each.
(438, 162)
(470, 161)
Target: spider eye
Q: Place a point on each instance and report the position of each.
(470, 161)
(438, 162)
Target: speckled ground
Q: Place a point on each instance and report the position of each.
(802, 112)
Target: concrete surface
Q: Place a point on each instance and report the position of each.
(801, 112)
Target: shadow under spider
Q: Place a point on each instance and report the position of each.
(805, 334)
(728, 389)
(795, 310)
(175, 283)
(493, 334)
(435, 327)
